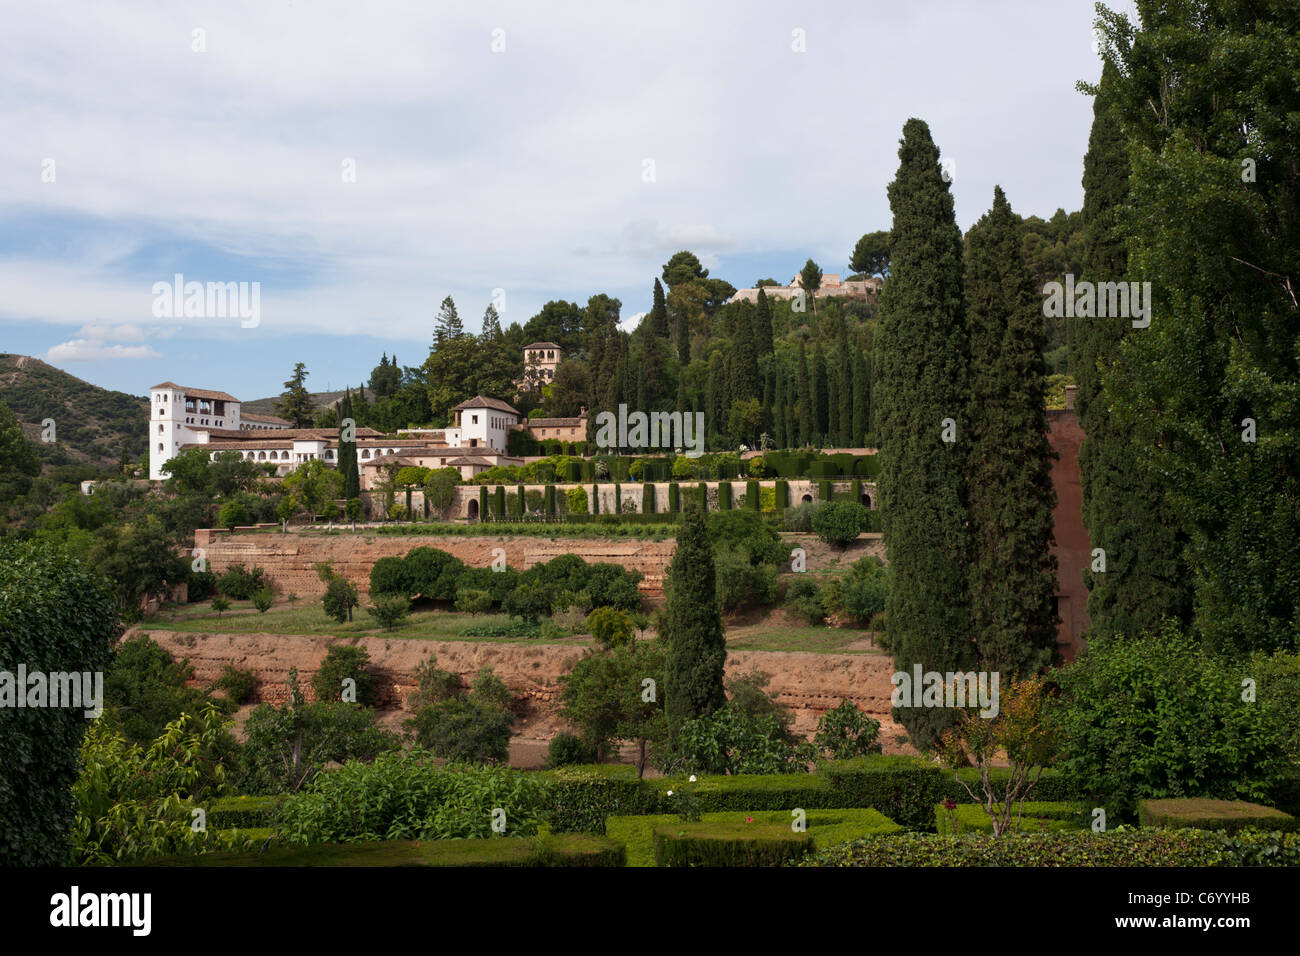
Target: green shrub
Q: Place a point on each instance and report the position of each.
(220, 604)
(238, 684)
(340, 598)
(263, 599)
(463, 731)
(389, 610)
(243, 812)
(609, 626)
(1122, 848)
(388, 576)
(739, 581)
(733, 741)
(200, 585)
(1032, 817)
(432, 573)
(474, 601)
(865, 589)
(405, 796)
(648, 499)
(674, 498)
(838, 522)
(724, 496)
(566, 749)
(344, 662)
(845, 732)
(803, 597)
(239, 583)
(1202, 814)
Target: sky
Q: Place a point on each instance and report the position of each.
(356, 163)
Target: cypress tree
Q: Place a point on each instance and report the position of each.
(659, 313)
(697, 647)
(652, 377)
(844, 386)
(482, 502)
(861, 396)
(820, 395)
(347, 452)
(1124, 508)
(763, 341)
(803, 401)
(1009, 482)
(778, 410)
(921, 355)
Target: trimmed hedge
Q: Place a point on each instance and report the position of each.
(1205, 814)
(648, 499)
(1032, 818)
(569, 850)
(674, 498)
(724, 496)
(228, 813)
(753, 496)
(826, 827)
(905, 789)
(1126, 848)
(731, 844)
(782, 495)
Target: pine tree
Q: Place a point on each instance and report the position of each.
(295, 401)
(803, 400)
(1009, 481)
(1124, 509)
(697, 647)
(448, 325)
(921, 356)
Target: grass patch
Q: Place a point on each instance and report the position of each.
(777, 637)
(825, 827)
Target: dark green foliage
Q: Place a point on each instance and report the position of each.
(724, 496)
(240, 583)
(238, 684)
(389, 610)
(734, 741)
(263, 599)
(566, 749)
(922, 352)
(388, 576)
(838, 523)
(674, 498)
(692, 626)
(1029, 817)
(463, 730)
(56, 616)
(1012, 573)
(905, 789)
(432, 573)
(344, 662)
(782, 494)
(1157, 717)
(340, 598)
(145, 690)
(405, 796)
(845, 732)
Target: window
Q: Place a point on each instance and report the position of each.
(160, 446)
(160, 428)
(473, 419)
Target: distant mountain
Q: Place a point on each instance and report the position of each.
(92, 425)
(266, 406)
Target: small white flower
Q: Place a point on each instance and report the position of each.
(692, 778)
(670, 793)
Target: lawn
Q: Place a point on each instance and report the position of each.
(766, 636)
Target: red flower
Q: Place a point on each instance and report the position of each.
(749, 819)
(950, 804)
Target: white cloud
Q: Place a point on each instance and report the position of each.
(88, 350)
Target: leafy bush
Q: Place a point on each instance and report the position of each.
(464, 731)
(405, 796)
(200, 585)
(433, 684)
(845, 732)
(735, 742)
(577, 500)
(473, 601)
(56, 615)
(433, 573)
(263, 599)
(388, 576)
(220, 604)
(490, 690)
(609, 626)
(905, 789)
(729, 844)
(239, 582)
(799, 518)
(1028, 817)
(1156, 717)
(566, 749)
(803, 597)
(390, 610)
(839, 522)
(344, 662)
(145, 689)
(238, 684)
(1199, 814)
(739, 581)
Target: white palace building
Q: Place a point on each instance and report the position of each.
(181, 417)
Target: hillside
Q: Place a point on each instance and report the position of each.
(92, 424)
(266, 406)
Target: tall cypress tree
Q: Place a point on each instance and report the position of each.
(921, 355)
(659, 313)
(803, 401)
(697, 646)
(778, 410)
(348, 452)
(651, 372)
(861, 395)
(820, 397)
(1009, 470)
(1124, 508)
(763, 341)
(844, 389)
